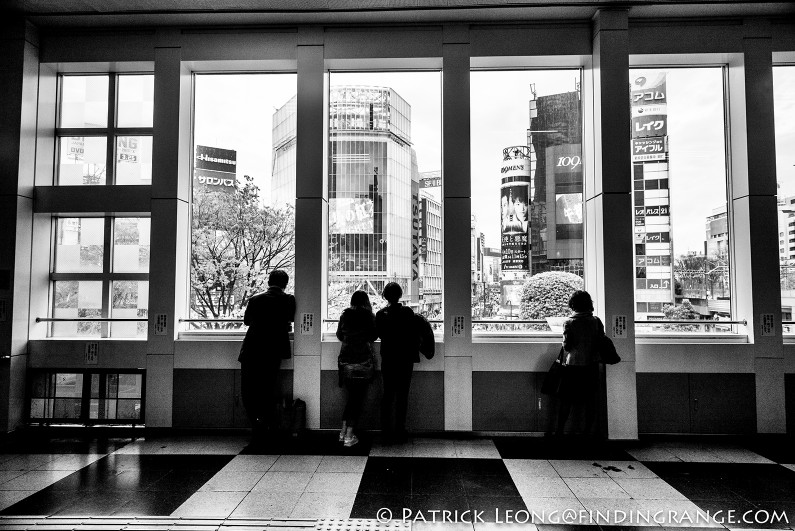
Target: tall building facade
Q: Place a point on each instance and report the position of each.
(373, 191)
(654, 278)
(430, 242)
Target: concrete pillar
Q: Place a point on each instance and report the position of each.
(311, 211)
(754, 218)
(170, 239)
(19, 66)
(608, 209)
(456, 209)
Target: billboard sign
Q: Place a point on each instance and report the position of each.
(215, 169)
(415, 241)
(565, 158)
(515, 214)
(351, 215)
(649, 125)
(568, 208)
(645, 149)
(648, 92)
(431, 182)
(127, 149)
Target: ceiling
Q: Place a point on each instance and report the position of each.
(54, 13)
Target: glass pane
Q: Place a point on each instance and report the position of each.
(131, 245)
(526, 231)
(784, 98)
(130, 385)
(128, 410)
(134, 160)
(243, 219)
(40, 384)
(82, 160)
(136, 100)
(37, 408)
(130, 301)
(68, 385)
(74, 299)
(66, 408)
(679, 182)
(79, 244)
(385, 189)
(84, 101)
(95, 386)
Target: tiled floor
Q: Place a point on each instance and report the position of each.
(490, 481)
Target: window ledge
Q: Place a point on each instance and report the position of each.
(207, 335)
(654, 339)
(789, 339)
(517, 338)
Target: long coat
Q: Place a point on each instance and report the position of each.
(268, 316)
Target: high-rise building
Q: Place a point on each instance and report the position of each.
(654, 280)
(430, 242)
(373, 190)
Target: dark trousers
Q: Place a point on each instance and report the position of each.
(259, 382)
(357, 390)
(397, 380)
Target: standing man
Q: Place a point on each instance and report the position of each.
(400, 350)
(267, 342)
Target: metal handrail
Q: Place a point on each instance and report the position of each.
(91, 319)
(210, 320)
(701, 322)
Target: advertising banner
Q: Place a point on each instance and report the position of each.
(431, 182)
(649, 125)
(215, 169)
(415, 241)
(645, 149)
(568, 208)
(75, 148)
(648, 92)
(351, 215)
(565, 158)
(127, 149)
(515, 214)
(216, 181)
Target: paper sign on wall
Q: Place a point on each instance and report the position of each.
(161, 324)
(307, 324)
(619, 326)
(768, 326)
(92, 353)
(458, 326)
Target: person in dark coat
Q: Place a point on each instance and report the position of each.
(356, 330)
(267, 342)
(400, 350)
(581, 359)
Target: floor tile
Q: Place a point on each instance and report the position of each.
(334, 482)
(182, 480)
(251, 463)
(267, 505)
(489, 486)
(741, 455)
(595, 488)
(447, 484)
(424, 504)
(791, 467)
(233, 481)
(677, 513)
(44, 502)
(626, 469)
(496, 508)
(70, 462)
(8, 475)
(553, 510)
(367, 505)
(652, 454)
(10, 497)
(104, 505)
(342, 463)
(395, 450)
(616, 512)
(476, 450)
(649, 489)
(27, 462)
(35, 480)
(514, 524)
(386, 475)
(441, 526)
(578, 469)
(544, 488)
(297, 463)
(210, 504)
(283, 482)
(531, 468)
(434, 450)
(323, 505)
(150, 503)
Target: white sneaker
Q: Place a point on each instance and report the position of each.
(350, 441)
(342, 436)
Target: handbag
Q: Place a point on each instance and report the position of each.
(554, 378)
(607, 350)
(360, 371)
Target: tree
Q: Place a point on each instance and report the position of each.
(683, 312)
(235, 243)
(547, 294)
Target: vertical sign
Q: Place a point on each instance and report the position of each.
(515, 213)
(91, 353)
(307, 324)
(458, 326)
(620, 326)
(415, 242)
(768, 324)
(161, 324)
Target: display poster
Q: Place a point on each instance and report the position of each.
(646, 91)
(75, 148)
(127, 150)
(649, 125)
(511, 296)
(351, 215)
(646, 149)
(568, 208)
(515, 242)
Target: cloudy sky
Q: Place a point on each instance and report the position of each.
(235, 112)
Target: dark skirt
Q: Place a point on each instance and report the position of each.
(579, 383)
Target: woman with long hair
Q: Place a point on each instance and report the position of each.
(356, 330)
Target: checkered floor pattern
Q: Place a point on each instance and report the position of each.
(218, 482)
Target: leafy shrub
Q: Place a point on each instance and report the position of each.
(547, 294)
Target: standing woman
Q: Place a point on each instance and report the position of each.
(400, 350)
(356, 330)
(580, 383)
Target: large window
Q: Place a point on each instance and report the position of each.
(784, 98)
(100, 271)
(526, 231)
(105, 118)
(681, 221)
(243, 203)
(385, 188)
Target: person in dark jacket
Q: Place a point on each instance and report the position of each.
(356, 330)
(267, 342)
(400, 350)
(581, 360)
